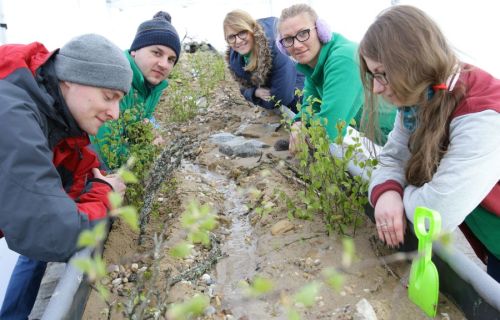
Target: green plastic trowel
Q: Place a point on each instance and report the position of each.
(423, 287)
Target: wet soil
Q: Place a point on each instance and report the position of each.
(290, 259)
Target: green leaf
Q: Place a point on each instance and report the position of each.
(127, 176)
(115, 199)
(307, 294)
(348, 254)
(333, 278)
(129, 215)
(259, 286)
(82, 264)
(181, 250)
(87, 239)
(193, 307)
(293, 314)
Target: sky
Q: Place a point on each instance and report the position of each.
(471, 27)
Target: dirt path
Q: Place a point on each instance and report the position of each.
(289, 259)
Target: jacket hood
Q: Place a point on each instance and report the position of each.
(31, 68)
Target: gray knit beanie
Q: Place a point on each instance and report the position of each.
(95, 61)
(160, 31)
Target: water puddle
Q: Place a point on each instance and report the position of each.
(239, 245)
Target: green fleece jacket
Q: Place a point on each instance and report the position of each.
(335, 80)
(141, 102)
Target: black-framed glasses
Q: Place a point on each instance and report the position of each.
(381, 77)
(301, 36)
(231, 39)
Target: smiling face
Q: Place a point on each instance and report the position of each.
(376, 68)
(155, 62)
(242, 46)
(91, 106)
(306, 52)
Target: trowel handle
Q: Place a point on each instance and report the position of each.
(425, 236)
(421, 215)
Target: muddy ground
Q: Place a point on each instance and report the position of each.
(291, 258)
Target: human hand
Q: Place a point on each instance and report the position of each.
(390, 218)
(293, 145)
(113, 179)
(263, 93)
(158, 140)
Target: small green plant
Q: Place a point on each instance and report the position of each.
(198, 221)
(329, 188)
(131, 136)
(192, 84)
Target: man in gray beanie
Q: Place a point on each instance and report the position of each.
(51, 186)
(153, 53)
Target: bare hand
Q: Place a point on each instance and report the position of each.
(158, 140)
(390, 218)
(293, 145)
(263, 93)
(113, 179)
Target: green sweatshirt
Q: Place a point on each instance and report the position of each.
(485, 226)
(335, 80)
(142, 96)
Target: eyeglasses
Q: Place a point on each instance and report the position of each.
(231, 39)
(301, 36)
(379, 76)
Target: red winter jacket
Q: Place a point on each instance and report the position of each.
(48, 194)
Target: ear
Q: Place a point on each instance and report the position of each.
(132, 54)
(323, 30)
(281, 48)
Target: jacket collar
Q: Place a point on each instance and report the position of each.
(139, 83)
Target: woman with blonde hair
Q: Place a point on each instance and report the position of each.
(329, 62)
(444, 150)
(265, 76)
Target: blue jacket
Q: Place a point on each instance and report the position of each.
(274, 70)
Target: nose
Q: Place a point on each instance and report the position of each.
(378, 88)
(238, 41)
(163, 62)
(114, 110)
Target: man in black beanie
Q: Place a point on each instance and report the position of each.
(152, 55)
(51, 188)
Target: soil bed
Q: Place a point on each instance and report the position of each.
(291, 258)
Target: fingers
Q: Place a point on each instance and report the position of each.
(399, 228)
(97, 173)
(391, 232)
(114, 180)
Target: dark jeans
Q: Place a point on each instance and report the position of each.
(22, 289)
(493, 267)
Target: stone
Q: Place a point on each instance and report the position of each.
(281, 145)
(364, 311)
(281, 227)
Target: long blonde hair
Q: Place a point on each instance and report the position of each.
(240, 20)
(416, 56)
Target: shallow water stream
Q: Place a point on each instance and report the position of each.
(239, 246)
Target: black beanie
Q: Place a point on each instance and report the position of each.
(160, 31)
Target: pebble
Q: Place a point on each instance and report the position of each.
(113, 268)
(143, 269)
(210, 310)
(134, 267)
(116, 282)
(207, 279)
